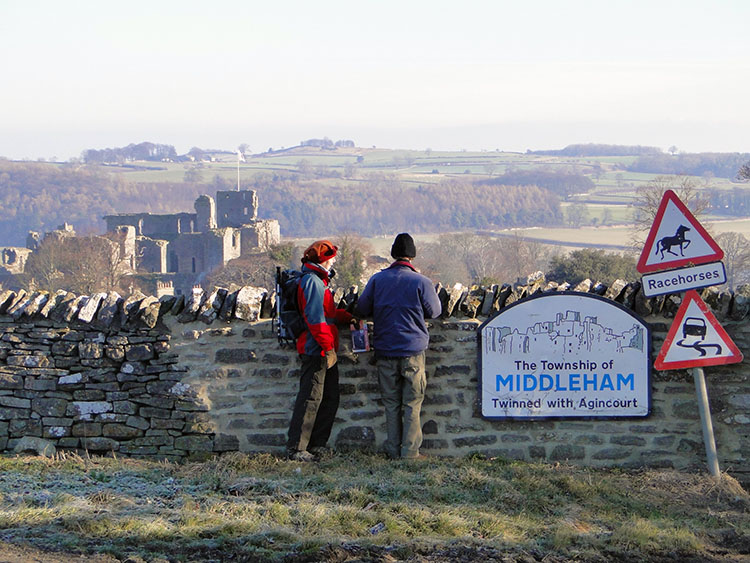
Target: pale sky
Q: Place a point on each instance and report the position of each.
(448, 75)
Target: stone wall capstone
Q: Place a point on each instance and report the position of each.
(187, 377)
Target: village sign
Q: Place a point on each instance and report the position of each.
(564, 354)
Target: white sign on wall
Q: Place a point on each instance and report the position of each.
(564, 354)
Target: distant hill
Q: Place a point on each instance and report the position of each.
(719, 165)
(600, 150)
(41, 196)
(149, 152)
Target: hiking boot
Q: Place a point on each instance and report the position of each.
(301, 455)
(321, 452)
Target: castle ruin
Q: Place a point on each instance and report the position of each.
(184, 247)
(170, 253)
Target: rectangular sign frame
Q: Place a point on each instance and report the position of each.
(571, 377)
(683, 279)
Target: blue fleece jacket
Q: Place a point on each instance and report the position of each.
(399, 299)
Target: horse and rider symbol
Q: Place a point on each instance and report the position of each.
(665, 244)
(693, 336)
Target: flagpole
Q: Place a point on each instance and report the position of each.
(238, 170)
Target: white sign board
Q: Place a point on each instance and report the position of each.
(682, 279)
(564, 354)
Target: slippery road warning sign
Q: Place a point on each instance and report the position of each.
(676, 239)
(696, 339)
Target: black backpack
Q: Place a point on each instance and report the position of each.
(288, 316)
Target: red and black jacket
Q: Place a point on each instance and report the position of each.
(319, 311)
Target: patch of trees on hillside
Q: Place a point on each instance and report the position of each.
(721, 165)
(382, 204)
(142, 151)
(592, 149)
(40, 197)
(597, 265)
(735, 202)
(326, 143)
(561, 182)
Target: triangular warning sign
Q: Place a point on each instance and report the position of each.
(696, 339)
(676, 239)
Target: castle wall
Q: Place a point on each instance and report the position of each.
(260, 235)
(124, 237)
(204, 252)
(236, 208)
(152, 255)
(13, 259)
(221, 245)
(189, 250)
(154, 226)
(205, 210)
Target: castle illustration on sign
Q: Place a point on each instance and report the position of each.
(566, 335)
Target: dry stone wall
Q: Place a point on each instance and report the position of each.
(184, 377)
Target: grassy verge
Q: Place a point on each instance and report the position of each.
(359, 506)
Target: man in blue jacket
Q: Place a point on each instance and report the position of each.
(400, 299)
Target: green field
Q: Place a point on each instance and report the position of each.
(413, 164)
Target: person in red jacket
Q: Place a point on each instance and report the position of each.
(318, 396)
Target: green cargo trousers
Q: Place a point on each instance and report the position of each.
(402, 386)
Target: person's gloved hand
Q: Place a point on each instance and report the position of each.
(331, 358)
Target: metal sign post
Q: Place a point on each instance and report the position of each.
(708, 429)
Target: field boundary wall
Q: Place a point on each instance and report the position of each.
(189, 377)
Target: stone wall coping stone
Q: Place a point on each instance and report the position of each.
(249, 303)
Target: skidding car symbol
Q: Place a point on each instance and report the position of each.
(694, 326)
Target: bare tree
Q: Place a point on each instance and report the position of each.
(468, 258)
(443, 260)
(257, 270)
(351, 262)
(305, 169)
(736, 249)
(577, 214)
(524, 256)
(42, 271)
(648, 198)
(84, 265)
(744, 172)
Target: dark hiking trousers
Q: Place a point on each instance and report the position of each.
(316, 404)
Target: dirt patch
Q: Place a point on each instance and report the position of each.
(10, 553)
